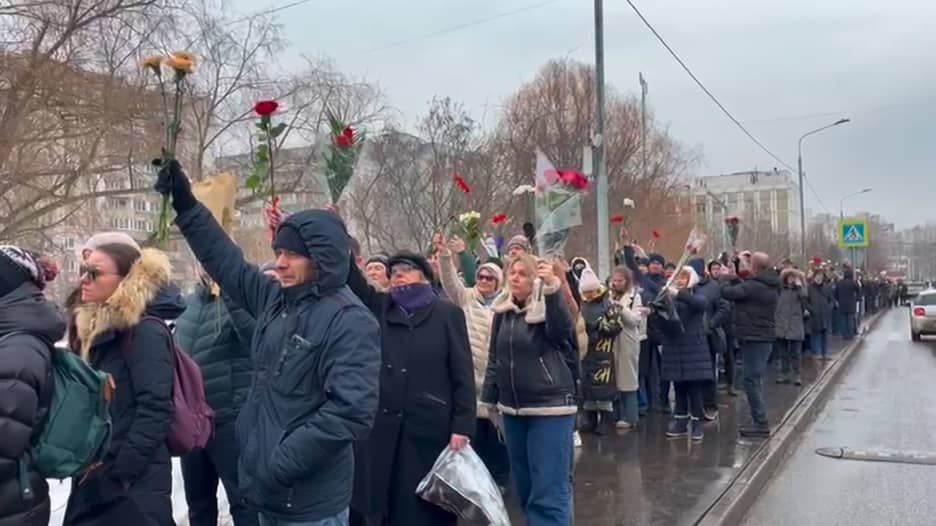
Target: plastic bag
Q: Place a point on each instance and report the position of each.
(460, 483)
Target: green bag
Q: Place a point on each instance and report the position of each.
(77, 429)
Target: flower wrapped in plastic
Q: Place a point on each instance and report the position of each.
(558, 206)
(460, 483)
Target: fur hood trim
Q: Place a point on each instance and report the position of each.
(534, 310)
(128, 303)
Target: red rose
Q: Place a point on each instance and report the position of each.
(265, 107)
(617, 220)
(499, 219)
(574, 179)
(462, 184)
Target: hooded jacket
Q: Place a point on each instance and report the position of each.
(791, 307)
(29, 326)
(755, 306)
(847, 292)
(217, 336)
(316, 357)
(137, 354)
(529, 372)
(821, 301)
(685, 353)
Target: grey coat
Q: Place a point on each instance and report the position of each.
(791, 307)
(821, 302)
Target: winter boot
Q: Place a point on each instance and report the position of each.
(798, 380)
(605, 423)
(755, 430)
(698, 432)
(589, 422)
(678, 426)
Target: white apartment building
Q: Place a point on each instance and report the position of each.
(767, 203)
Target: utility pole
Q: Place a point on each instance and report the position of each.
(643, 125)
(598, 142)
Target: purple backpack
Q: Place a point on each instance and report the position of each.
(192, 418)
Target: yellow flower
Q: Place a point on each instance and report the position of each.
(153, 62)
(184, 55)
(179, 64)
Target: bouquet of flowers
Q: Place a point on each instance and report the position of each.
(470, 223)
(341, 155)
(733, 225)
(180, 64)
(558, 200)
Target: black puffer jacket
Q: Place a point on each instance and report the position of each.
(755, 306)
(29, 326)
(217, 335)
(528, 371)
(135, 483)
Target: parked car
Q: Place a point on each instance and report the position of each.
(912, 290)
(923, 314)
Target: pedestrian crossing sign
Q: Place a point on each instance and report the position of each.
(853, 233)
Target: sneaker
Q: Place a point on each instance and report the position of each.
(576, 439)
(698, 431)
(798, 380)
(678, 427)
(711, 414)
(755, 430)
(623, 427)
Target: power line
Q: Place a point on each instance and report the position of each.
(269, 11)
(704, 89)
(458, 27)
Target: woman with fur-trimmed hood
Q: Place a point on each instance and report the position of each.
(791, 327)
(125, 296)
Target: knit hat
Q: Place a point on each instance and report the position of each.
(414, 260)
(493, 269)
(378, 258)
(288, 238)
(110, 238)
(589, 282)
(17, 266)
(697, 264)
(656, 258)
(520, 240)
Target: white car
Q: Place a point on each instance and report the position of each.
(923, 314)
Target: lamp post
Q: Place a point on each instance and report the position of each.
(802, 197)
(842, 218)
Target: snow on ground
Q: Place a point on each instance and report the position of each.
(59, 491)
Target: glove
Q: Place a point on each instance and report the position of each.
(171, 180)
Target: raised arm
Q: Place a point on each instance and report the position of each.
(214, 249)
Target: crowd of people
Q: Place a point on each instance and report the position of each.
(336, 379)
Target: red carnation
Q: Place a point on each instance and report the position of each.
(733, 220)
(617, 220)
(817, 261)
(264, 108)
(462, 184)
(574, 179)
(656, 234)
(346, 138)
(499, 219)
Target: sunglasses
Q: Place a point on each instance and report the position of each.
(92, 273)
(486, 277)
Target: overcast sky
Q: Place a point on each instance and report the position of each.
(781, 67)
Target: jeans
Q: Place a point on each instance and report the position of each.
(819, 343)
(754, 359)
(201, 471)
(540, 449)
(689, 398)
(338, 520)
(492, 452)
(790, 356)
(625, 409)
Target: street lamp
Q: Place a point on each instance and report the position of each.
(802, 197)
(842, 202)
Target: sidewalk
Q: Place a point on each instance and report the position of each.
(643, 478)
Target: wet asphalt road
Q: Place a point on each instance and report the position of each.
(886, 400)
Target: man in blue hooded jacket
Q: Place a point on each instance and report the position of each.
(316, 356)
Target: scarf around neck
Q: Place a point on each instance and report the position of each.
(412, 297)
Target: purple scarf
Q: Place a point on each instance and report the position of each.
(412, 297)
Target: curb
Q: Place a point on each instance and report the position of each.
(731, 506)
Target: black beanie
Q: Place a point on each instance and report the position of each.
(288, 238)
(11, 276)
(413, 259)
(656, 258)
